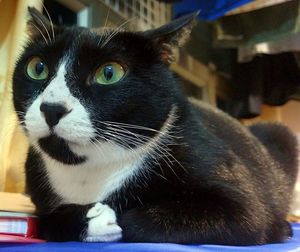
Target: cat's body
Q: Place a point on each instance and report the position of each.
(162, 168)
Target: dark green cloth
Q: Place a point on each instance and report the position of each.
(200, 46)
(258, 26)
(268, 79)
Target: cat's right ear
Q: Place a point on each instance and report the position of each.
(171, 35)
(38, 23)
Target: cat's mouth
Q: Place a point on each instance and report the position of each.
(58, 148)
(55, 141)
(53, 134)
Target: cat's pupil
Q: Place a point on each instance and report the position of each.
(39, 67)
(108, 72)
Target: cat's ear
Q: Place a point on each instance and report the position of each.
(38, 23)
(172, 35)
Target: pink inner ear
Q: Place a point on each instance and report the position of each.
(166, 54)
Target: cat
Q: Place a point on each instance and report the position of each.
(118, 153)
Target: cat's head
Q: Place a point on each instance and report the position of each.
(74, 88)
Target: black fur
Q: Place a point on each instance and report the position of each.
(59, 150)
(235, 185)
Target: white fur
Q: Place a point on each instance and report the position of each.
(90, 182)
(102, 225)
(35, 122)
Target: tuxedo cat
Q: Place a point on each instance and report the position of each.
(117, 152)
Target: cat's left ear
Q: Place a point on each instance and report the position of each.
(171, 35)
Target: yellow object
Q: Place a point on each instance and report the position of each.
(13, 146)
(16, 202)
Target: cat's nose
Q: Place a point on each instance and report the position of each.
(53, 112)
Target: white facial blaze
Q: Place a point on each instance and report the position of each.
(74, 127)
(57, 90)
(35, 122)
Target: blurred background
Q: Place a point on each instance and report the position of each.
(243, 57)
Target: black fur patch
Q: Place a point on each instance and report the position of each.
(58, 149)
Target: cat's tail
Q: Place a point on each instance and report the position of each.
(281, 143)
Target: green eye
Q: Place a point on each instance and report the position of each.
(37, 69)
(109, 73)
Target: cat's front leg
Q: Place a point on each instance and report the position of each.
(64, 223)
(90, 223)
(102, 225)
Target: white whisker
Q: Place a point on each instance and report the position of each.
(51, 23)
(161, 150)
(41, 34)
(42, 23)
(106, 19)
(116, 31)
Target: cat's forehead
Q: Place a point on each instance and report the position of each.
(88, 35)
(77, 38)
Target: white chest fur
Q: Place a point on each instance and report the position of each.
(97, 178)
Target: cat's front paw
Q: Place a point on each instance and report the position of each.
(102, 225)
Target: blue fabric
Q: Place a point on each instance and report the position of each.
(290, 245)
(209, 9)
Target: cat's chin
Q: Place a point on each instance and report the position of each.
(58, 149)
(53, 141)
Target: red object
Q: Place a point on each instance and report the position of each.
(18, 239)
(31, 222)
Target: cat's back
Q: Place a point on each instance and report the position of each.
(224, 127)
(268, 150)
